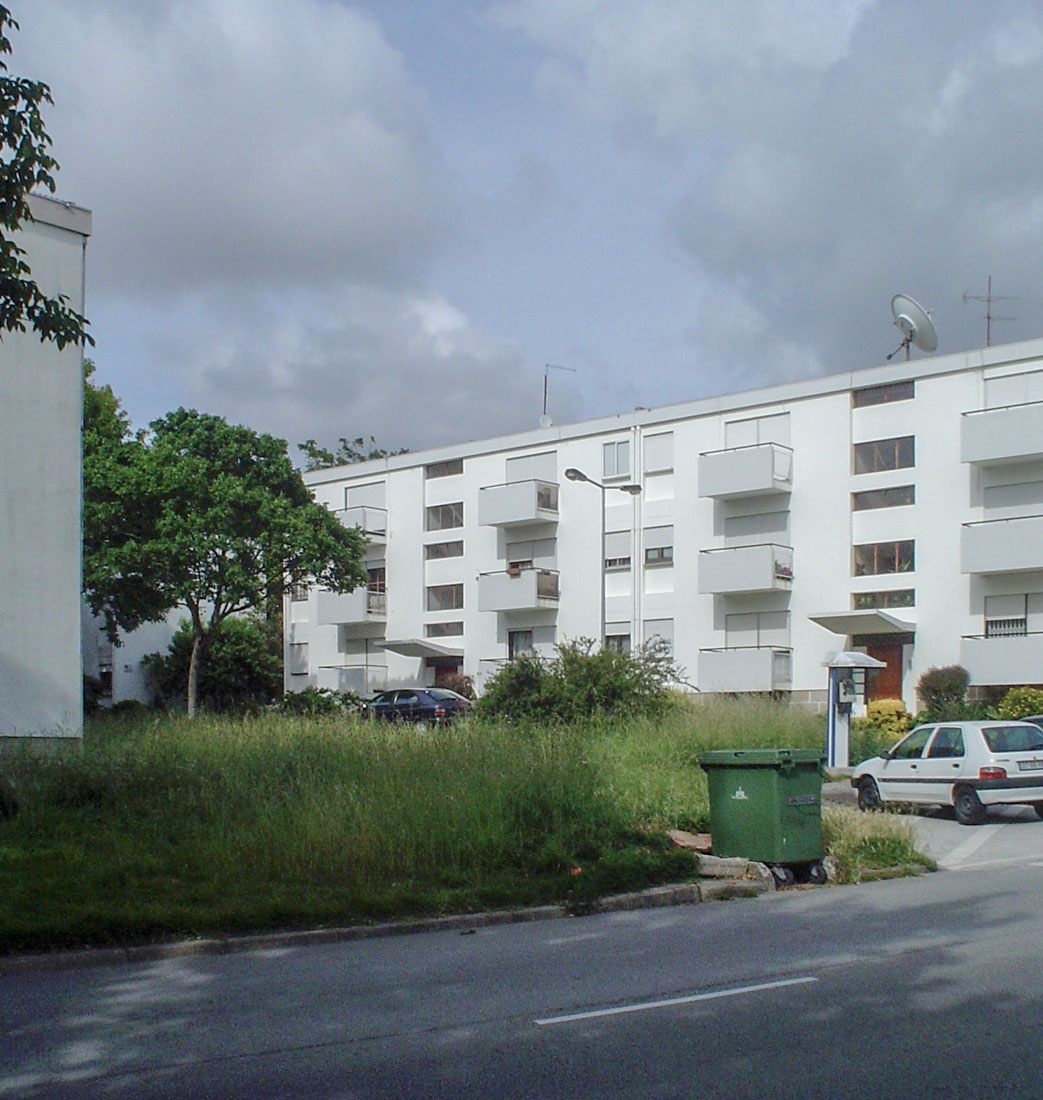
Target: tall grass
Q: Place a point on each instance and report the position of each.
(166, 826)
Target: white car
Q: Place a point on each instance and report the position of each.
(966, 765)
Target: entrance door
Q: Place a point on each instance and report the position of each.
(887, 682)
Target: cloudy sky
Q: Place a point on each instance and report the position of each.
(384, 217)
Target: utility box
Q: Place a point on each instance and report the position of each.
(766, 805)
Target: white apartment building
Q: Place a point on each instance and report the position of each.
(896, 510)
(41, 406)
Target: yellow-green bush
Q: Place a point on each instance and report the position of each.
(1020, 702)
(889, 715)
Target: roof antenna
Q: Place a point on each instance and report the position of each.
(988, 300)
(914, 323)
(545, 420)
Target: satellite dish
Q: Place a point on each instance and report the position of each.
(545, 421)
(913, 321)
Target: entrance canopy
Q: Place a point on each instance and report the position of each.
(419, 647)
(870, 621)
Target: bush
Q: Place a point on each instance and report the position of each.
(243, 666)
(315, 702)
(889, 715)
(461, 684)
(1020, 702)
(581, 682)
(944, 690)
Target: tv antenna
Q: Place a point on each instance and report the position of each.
(545, 420)
(988, 299)
(915, 325)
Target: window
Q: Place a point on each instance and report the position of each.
(912, 747)
(1008, 616)
(617, 643)
(519, 642)
(757, 628)
(617, 458)
(893, 497)
(659, 452)
(617, 550)
(444, 630)
(299, 593)
(874, 558)
(758, 528)
(448, 468)
(659, 545)
(896, 597)
(774, 428)
(442, 517)
(445, 597)
(882, 395)
(661, 629)
(541, 467)
(298, 658)
(435, 551)
(885, 454)
(947, 743)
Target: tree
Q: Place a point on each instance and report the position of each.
(210, 516)
(25, 163)
(243, 667)
(348, 452)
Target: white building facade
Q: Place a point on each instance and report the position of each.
(897, 510)
(41, 403)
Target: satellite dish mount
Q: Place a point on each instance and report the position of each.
(915, 325)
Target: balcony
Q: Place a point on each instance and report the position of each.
(1014, 659)
(518, 590)
(518, 504)
(372, 522)
(361, 679)
(746, 471)
(363, 605)
(1011, 433)
(1002, 546)
(745, 669)
(765, 567)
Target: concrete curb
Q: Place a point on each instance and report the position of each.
(685, 893)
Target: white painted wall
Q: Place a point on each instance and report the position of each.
(41, 395)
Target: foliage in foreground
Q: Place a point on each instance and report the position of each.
(861, 842)
(580, 682)
(166, 827)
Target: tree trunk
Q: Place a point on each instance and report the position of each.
(194, 665)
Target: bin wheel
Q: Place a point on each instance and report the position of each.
(783, 875)
(817, 875)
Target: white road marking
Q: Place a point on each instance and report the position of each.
(961, 852)
(645, 1006)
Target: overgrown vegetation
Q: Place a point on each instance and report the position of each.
(1020, 702)
(864, 843)
(580, 682)
(163, 827)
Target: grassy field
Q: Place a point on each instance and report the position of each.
(164, 827)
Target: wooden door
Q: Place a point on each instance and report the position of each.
(885, 683)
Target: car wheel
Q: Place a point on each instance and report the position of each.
(817, 875)
(968, 807)
(1038, 807)
(869, 798)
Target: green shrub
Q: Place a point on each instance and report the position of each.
(1020, 702)
(582, 682)
(313, 702)
(867, 740)
(944, 690)
(243, 666)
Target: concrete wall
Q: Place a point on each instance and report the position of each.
(41, 396)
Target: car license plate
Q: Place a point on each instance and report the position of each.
(1030, 765)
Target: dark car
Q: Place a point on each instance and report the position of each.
(424, 706)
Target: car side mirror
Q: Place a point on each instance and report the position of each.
(885, 755)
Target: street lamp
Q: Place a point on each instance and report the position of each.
(578, 475)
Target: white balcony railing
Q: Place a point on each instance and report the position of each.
(1010, 433)
(518, 590)
(746, 471)
(1012, 545)
(372, 522)
(518, 503)
(361, 679)
(1009, 660)
(762, 567)
(363, 605)
(745, 669)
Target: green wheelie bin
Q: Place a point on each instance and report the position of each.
(766, 805)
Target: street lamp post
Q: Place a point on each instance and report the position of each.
(578, 475)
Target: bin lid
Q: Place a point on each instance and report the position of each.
(760, 758)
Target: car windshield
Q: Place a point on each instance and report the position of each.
(1013, 738)
(444, 693)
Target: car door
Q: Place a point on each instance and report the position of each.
(944, 763)
(405, 706)
(900, 777)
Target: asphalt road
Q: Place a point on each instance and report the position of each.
(925, 987)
